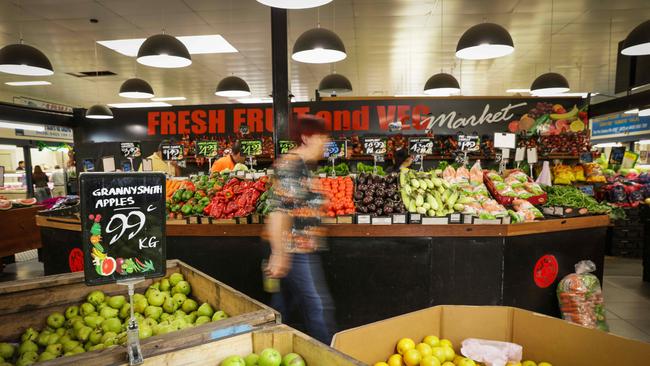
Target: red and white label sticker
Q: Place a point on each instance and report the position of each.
(545, 271)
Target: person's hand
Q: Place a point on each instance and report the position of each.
(279, 266)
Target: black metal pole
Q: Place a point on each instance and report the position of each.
(280, 70)
(27, 155)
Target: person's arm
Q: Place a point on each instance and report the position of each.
(278, 226)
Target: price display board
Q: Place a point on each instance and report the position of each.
(468, 143)
(123, 226)
(287, 145)
(171, 152)
(130, 149)
(421, 146)
(617, 155)
(336, 149)
(374, 145)
(207, 149)
(251, 147)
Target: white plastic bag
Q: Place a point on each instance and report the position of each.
(492, 353)
(545, 176)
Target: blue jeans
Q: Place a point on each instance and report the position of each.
(305, 287)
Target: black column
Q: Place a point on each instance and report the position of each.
(27, 155)
(280, 69)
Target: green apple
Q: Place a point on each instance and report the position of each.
(96, 297)
(170, 305)
(53, 338)
(179, 298)
(164, 285)
(112, 325)
(107, 336)
(219, 315)
(202, 320)
(71, 311)
(139, 304)
(156, 298)
(69, 346)
(183, 287)
(189, 306)
(7, 350)
(270, 357)
(153, 312)
(46, 356)
(54, 349)
(93, 321)
(251, 360)
(125, 311)
(233, 361)
(83, 333)
(116, 302)
(145, 331)
(205, 310)
(293, 359)
(96, 336)
(175, 278)
(86, 308)
(30, 334)
(108, 312)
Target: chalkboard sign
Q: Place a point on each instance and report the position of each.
(468, 143)
(251, 147)
(207, 149)
(130, 149)
(336, 149)
(617, 154)
(286, 146)
(171, 152)
(123, 226)
(421, 146)
(374, 145)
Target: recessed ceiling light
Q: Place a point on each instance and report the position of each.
(22, 126)
(139, 105)
(167, 99)
(518, 91)
(254, 100)
(28, 83)
(196, 45)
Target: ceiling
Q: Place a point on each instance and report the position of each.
(393, 46)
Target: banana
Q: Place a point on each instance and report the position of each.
(568, 115)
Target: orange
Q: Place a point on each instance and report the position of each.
(429, 361)
(404, 345)
(395, 360)
(431, 340)
(412, 357)
(424, 349)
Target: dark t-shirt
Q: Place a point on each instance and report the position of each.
(40, 181)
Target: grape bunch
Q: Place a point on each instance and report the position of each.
(541, 108)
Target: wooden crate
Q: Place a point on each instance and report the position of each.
(280, 337)
(27, 303)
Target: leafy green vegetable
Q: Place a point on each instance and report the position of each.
(569, 196)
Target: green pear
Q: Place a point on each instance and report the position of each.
(70, 322)
(7, 350)
(86, 308)
(155, 285)
(97, 347)
(164, 285)
(55, 320)
(27, 346)
(42, 339)
(30, 356)
(153, 312)
(96, 297)
(138, 317)
(61, 331)
(205, 310)
(53, 338)
(179, 298)
(163, 329)
(145, 331)
(46, 356)
(175, 278)
(77, 324)
(78, 349)
(65, 338)
(101, 306)
(93, 321)
(30, 334)
(112, 325)
(96, 336)
(202, 320)
(156, 298)
(139, 304)
(125, 311)
(83, 333)
(54, 349)
(170, 305)
(87, 346)
(107, 336)
(69, 346)
(71, 311)
(183, 287)
(219, 315)
(251, 360)
(189, 306)
(179, 313)
(116, 302)
(190, 318)
(108, 312)
(150, 322)
(164, 317)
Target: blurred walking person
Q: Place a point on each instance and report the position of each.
(40, 180)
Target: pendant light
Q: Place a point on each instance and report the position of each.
(551, 82)
(318, 46)
(22, 59)
(98, 111)
(637, 42)
(441, 84)
(136, 88)
(232, 87)
(294, 4)
(334, 84)
(164, 51)
(484, 41)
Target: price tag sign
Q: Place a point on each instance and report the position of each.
(617, 155)
(130, 149)
(123, 226)
(468, 143)
(207, 149)
(421, 146)
(172, 152)
(251, 147)
(520, 153)
(374, 145)
(531, 155)
(286, 146)
(336, 149)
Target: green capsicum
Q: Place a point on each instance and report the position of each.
(187, 195)
(186, 209)
(176, 207)
(178, 195)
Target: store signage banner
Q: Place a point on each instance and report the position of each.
(619, 124)
(50, 132)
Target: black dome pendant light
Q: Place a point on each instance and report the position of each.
(233, 87)
(22, 59)
(334, 84)
(551, 82)
(441, 84)
(637, 42)
(294, 4)
(318, 46)
(98, 111)
(136, 88)
(164, 51)
(484, 41)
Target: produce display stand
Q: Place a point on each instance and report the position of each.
(282, 338)
(543, 338)
(403, 268)
(19, 231)
(27, 303)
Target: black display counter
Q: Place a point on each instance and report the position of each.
(376, 272)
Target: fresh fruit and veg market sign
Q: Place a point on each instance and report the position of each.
(123, 226)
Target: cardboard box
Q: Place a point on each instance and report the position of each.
(543, 338)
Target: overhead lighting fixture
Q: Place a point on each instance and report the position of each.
(563, 95)
(22, 126)
(334, 84)
(294, 4)
(518, 91)
(136, 88)
(196, 45)
(28, 83)
(637, 42)
(318, 46)
(167, 99)
(22, 59)
(644, 112)
(7, 147)
(164, 51)
(549, 83)
(139, 105)
(608, 144)
(254, 100)
(441, 84)
(484, 41)
(632, 111)
(232, 87)
(99, 111)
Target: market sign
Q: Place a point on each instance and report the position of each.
(286, 146)
(251, 147)
(336, 149)
(374, 145)
(207, 149)
(421, 146)
(468, 143)
(130, 149)
(171, 152)
(123, 226)
(618, 125)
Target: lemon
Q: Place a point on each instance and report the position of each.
(431, 340)
(395, 360)
(429, 361)
(424, 349)
(448, 363)
(528, 363)
(513, 364)
(412, 357)
(439, 353)
(381, 364)
(446, 342)
(404, 345)
(577, 126)
(449, 353)
(544, 364)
